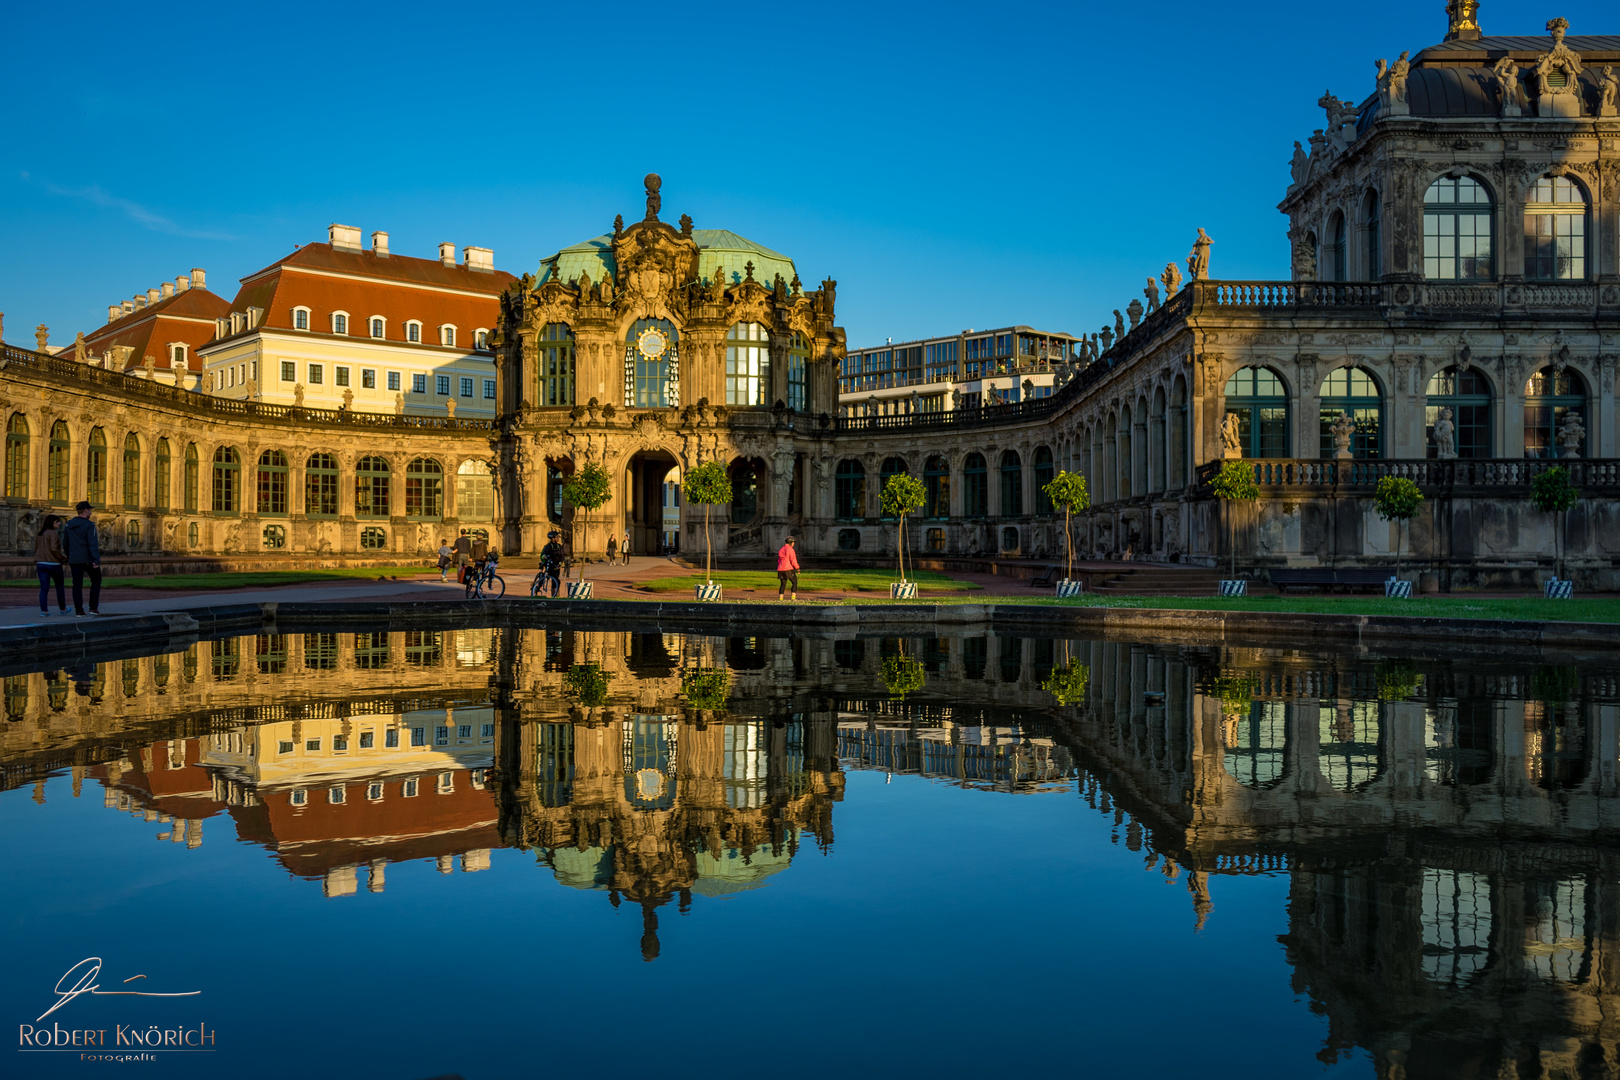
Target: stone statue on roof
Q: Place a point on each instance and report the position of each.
(42, 337)
(686, 225)
(1119, 324)
(1152, 293)
(1608, 91)
(1392, 84)
(1507, 76)
(1300, 167)
(655, 202)
(1172, 280)
(78, 347)
(1134, 310)
(1198, 260)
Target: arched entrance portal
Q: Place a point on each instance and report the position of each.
(652, 506)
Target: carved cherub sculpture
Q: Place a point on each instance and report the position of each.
(1342, 428)
(1172, 280)
(1232, 435)
(1609, 91)
(1445, 436)
(1507, 74)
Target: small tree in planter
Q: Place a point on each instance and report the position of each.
(587, 685)
(1234, 483)
(588, 489)
(1068, 683)
(902, 495)
(1068, 492)
(902, 674)
(706, 690)
(1397, 499)
(1553, 492)
(709, 484)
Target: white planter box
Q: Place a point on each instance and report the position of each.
(708, 591)
(1067, 587)
(580, 590)
(902, 590)
(1398, 590)
(1560, 590)
(1234, 588)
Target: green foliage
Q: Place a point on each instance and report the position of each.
(589, 488)
(1397, 498)
(1068, 492)
(1068, 684)
(902, 675)
(709, 484)
(1398, 679)
(903, 494)
(706, 688)
(1555, 684)
(1235, 482)
(1235, 691)
(1552, 491)
(587, 684)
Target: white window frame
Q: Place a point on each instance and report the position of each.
(481, 339)
(370, 319)
(185, 353)
(413, 331)
(395, 381)
(447, 330)
(466, 387)
(314, 374)
(344, 315)
(409, 787)
(376, 790)
(308, 318)
(289, 371)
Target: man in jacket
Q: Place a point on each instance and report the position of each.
(82, 547)
(551, 561)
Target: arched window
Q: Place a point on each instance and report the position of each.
(798, 373)
(95, 468)
(849, 490)
(748, 364)
(227, 480)
(1458, 230)
(132, 471)
(1348, 744)
(58, 458)
(377, 326)
(413, 331)
(892, 466)
(556, 357)
(272, 483)
(1044, 471)
(1468, 396)
(652, 373)
(1353, 391)
(1257, 397)
(321, 486)
(1555, 231)
(744, 492)
(192, 483)
(1336, 248)
(300, 318)
(975, 487)
(1256, 751)
(1549, 396)
(17, 457)
(1456, 919)
(162, 486)
(1012, 484)
(424, 489)
(475, 492)
(937, 483)
(1372, 215)
(371, 488)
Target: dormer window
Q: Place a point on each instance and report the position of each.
(177, 356)
(447, 335)
(378, 326)
(413, 331)
(340, 322)
(481, 340)
(301, 318)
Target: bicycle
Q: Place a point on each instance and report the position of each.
(484, 583)
(538, 586)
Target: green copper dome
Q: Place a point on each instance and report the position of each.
(719, 250)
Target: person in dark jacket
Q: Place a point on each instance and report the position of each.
(48, 560)
(82, 547)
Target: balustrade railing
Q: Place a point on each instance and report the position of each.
(1432, 473)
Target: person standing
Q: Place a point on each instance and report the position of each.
(624, 548)
(82, 547)
(463, 550)
(787, 571)
(48, 560)
(551, 561)
(613, 551)
(447, 555)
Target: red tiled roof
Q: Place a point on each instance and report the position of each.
(154, 328)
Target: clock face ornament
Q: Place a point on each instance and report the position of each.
(652, 343)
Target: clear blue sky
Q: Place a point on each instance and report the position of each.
(951, 165)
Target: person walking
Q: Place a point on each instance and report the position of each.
(787, 571)
(82, 547)
(624, 549)
(463, 550)
(48, 560)
(613, 551)
(551, 561)
(447, 555)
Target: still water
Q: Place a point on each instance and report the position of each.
(520, 852)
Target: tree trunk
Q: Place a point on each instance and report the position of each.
(901, 543)
(1068, 544)
(708, 547)
(1231, 538)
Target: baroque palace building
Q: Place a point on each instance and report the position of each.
(1451, 315)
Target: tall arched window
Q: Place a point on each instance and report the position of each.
(937, 483)
(321, 485)
(849, 490)
(59, 456)
(892, 466)
(556, 358)
(95, 468)
(17, 457)
(162, 483)
(1549, 396)
(748, 364)
(1353, 391)
(1468, 396)
(227, 480)
(1257, 397)
(744, 491)
(652, 375)
(132, 471)
(1555, 231)
(1256, 751)
(798, 373)
(1044, 471)
(193, 468)
(1372, 216)
(1336, 248)
(975, 487)
(475, 492)
(272, 483)
(1458, 231)
(1012, 484)
(1349, 744)
(424, 489)
(371, 488)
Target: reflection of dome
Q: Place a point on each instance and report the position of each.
(649, 784)
(588, 869)
(718, 249)
(730, 873)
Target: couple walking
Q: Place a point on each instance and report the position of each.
(76, 545)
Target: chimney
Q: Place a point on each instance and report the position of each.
(447, 254)
(127, 306)
(479, 259)
(199, 278)
(167, 290)
(379, 244)
(344, 237)
(114, 312)
(140, 301)
(182, 283)
(153, 295)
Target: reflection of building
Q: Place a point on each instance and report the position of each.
(965, 746)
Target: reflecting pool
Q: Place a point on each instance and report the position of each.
(519, 851)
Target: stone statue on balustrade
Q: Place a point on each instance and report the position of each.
(1119, 324)
(1198, 260)
(1608, 91)
(1152, 294)
(1343, 429)
(1300, 167)
(1232, 436)
(1107, 339)
(298, 395)
(1134, 310)
(1445, 436)
(253, 390)
(1507, 77)
(1571, 433)
(1172, 280)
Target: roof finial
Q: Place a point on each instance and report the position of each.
(654, 200)
(1462, 25)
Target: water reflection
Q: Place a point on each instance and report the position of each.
(1445, 827)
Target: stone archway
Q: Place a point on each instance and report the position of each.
(651, 506)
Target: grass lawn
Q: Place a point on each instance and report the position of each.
(249, 579)
(1456, 606)
(810, 581)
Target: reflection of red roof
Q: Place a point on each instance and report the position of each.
(176, 792)
(184, 318)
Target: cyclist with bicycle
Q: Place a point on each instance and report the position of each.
(483, 583)
(551, 561)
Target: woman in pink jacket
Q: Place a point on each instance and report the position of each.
(787, 571)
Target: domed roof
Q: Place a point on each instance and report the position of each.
(719, 251)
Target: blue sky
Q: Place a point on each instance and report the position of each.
(951, 165)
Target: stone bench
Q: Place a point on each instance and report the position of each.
(1326, 577)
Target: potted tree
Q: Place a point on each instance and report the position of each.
(588, 489)
(1553, 492)
(1397, 499)
(902, 495)
(902, 674)
(587, 685)
(708, 484)
(1234, 483)
(1068, 492)
(1068, 682)
(707, 691)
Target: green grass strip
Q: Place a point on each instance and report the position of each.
(811, 581)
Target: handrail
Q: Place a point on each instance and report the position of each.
(1429, 473)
